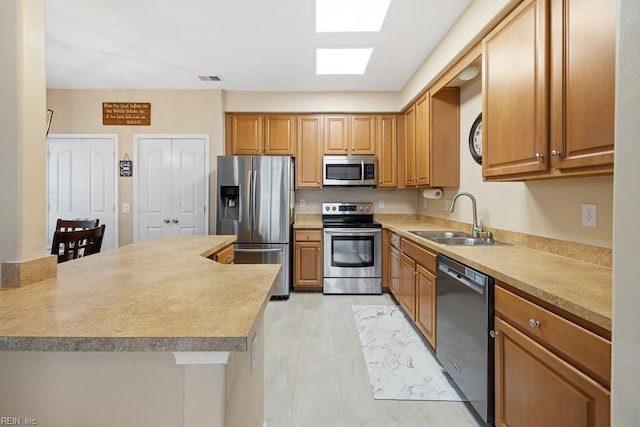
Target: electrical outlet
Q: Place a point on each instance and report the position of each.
(302, 203)
(381, 204)
(125, 208)
(447, 203)
(589, 216)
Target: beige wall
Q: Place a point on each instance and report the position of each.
(394, 201)
(22, 130)
(311, 101)
(626, 292)
(479, 16)
(550, 208)
(172, 112)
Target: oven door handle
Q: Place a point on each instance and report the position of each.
(351, 233)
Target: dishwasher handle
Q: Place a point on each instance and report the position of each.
(477, 287)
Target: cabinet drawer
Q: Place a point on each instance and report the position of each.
(581, 347)
(421, 255)
(394, 239)
(308, 235)
(224, 255)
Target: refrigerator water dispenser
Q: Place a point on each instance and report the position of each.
(230, 202)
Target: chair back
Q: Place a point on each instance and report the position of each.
(68, 245)
(73, 224)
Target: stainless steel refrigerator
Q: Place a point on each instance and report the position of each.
(255, 201)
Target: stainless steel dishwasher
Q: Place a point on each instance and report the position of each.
(464, 305)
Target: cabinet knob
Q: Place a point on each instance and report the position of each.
(318, 182)
(493, 334)
(166, 220)
(380, 181)
(539, 155)
(534, 323)
(346, 148)
(266, 148)
(555, 152)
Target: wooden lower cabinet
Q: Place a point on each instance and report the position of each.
(548, 370)
(536, 388)
(408, 285)
(224, 255)
(308, 273)
(394, 272)
(426, 304)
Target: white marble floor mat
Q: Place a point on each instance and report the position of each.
(399, 364)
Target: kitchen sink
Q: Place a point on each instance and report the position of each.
(455, 238)
(440, 234)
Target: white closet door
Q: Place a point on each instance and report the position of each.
(188, 186)
(154, 188)
(171, 187)
(81, 183)
(99, 160)
(65, 197)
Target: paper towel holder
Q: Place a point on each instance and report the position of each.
(432, 193)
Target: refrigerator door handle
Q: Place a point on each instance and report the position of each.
(253, 202)
(249, 190)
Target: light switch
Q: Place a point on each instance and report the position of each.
(125, 208)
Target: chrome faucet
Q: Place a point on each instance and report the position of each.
(477, 229)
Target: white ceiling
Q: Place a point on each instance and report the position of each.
(254, 45)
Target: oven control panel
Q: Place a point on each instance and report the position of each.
(347, 208)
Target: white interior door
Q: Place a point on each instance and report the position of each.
(154, 188)
(82, 182)
(188, 187)
(171, 191)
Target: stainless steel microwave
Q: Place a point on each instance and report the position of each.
(344, 171)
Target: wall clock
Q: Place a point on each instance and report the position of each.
(475, 140)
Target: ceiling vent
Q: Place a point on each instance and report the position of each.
(210, 78)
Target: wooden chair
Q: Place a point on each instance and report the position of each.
(68, 245)
(74, 225)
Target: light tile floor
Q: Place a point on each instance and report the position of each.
(315, 374)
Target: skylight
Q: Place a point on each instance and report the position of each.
(339, 16)
(342, 61)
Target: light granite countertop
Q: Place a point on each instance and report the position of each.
(577, 287)
(157, 295)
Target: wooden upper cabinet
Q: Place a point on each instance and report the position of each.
(515, 102)
(257, 134)
(416, 143)
(309, 157)
(347, 134)
(362, 134)
(583, 41)
(387, 151)
(549, 91)
(410, 146)
(335, 134)
(444, 128)
(422, 141)
(279, 135)
(245, 133)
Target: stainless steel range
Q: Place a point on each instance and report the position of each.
(352, 249)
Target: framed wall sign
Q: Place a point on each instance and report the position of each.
(126, 166)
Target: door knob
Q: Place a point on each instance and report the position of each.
(175, 220)
(166, 220)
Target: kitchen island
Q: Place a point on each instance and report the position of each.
(153, 333)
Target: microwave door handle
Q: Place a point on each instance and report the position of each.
(362, 170)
